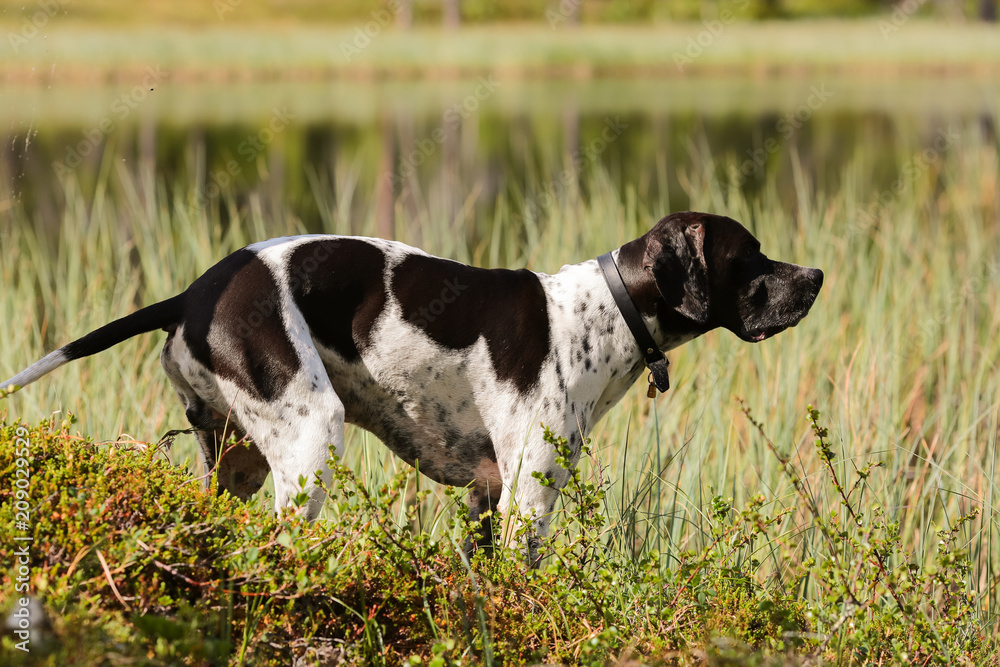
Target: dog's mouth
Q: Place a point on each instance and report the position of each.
(757, 335)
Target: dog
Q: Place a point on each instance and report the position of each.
(453, 367)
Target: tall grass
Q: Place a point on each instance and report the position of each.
(900, 351)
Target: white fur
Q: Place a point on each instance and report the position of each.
(43, 366)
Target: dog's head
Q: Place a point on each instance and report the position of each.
(705, 271)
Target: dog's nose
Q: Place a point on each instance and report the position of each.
(815, 276)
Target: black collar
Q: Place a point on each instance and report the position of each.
(656, 362)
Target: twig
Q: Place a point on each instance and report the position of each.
(107, 574)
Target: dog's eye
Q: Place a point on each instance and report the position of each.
(754, 265)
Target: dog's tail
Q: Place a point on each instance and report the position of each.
(157, 316)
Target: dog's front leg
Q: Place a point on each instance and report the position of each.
(528, 504)
(483, 501)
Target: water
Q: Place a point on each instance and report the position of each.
(408, 150)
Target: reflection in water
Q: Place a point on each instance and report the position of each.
(473, 152)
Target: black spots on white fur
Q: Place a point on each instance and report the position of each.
(452, 439)
(442, 413)
(482, 445)
(302, 411)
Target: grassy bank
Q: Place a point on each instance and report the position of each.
(134, 562)
(900, 352)
(70, 51)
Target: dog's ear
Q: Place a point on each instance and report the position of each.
(675, 254)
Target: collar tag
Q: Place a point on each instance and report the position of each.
(658, 377)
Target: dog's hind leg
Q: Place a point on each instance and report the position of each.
(297, 433)
(299, 450)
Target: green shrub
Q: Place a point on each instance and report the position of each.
(134, 560)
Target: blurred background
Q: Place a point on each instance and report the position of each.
(446, 108)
